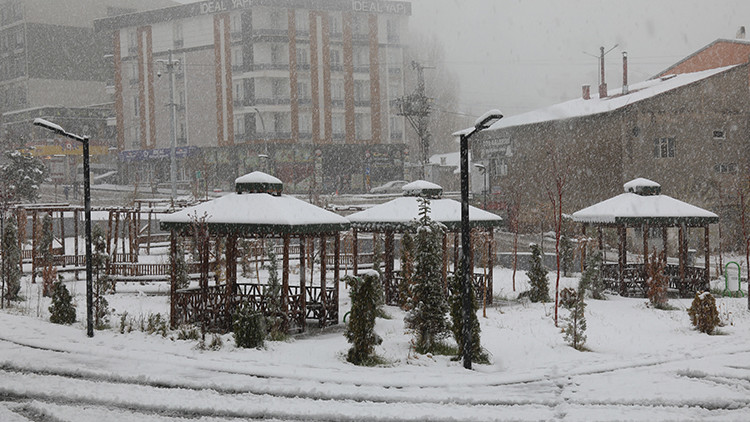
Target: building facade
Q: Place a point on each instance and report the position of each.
(687, 129)
(276, 84)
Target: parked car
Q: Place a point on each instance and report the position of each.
(394, 186)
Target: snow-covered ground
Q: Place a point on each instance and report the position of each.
(643, 364)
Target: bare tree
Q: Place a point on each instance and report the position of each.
(555, 195)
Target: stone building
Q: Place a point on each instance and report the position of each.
(687, 128)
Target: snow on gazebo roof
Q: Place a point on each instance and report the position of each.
(642, 203)
(422, 188)
(400, 214)
(257, 212)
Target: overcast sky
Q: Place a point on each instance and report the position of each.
(518, 55)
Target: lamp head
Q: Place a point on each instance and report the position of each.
(48, 125)
(488, 119)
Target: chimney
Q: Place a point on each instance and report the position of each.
(586, 92)
(741, 33)
(624, 72)
(602, 84)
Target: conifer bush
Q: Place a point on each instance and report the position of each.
(361, 329)
(568, 254)
(703, 312)
(62, 310)
(11, 259)
(248, 328)
(275, 319)
(181, 268)
(427, 318)
(591, 279)
(405, 287)
(478, 354)
(575, 323)
(538, 277)
(656, 282)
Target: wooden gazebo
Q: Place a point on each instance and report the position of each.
(400, 214)
(257, 210)
(643, 207)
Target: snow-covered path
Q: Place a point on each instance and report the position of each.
(644, 365)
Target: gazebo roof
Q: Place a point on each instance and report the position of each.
(257, 212)
(642, 203)
(400, 214)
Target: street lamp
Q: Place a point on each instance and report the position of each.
(482, 169)
(484, 122)
(86, 210)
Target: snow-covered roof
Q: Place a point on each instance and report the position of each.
(595, 105)
(263, 211)
(400, 213)
(641, 203)
(422, 188)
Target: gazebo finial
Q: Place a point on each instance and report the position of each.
(423, 188)
(643, 187)
(258, 182)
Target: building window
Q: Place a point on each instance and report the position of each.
(305, 123)
(664, 148)
(239, 125)
(19, 39)
(335, 58)
(302, 20)
(276, 20)
(719, 135)
(302, 56)
(303, 91)
(235, 23)
(277, 88)
(337, 90)
(276, 54)
(362, 126)
(136, 106)
(361, 90)
(730, 168)
(239, 90)
(336, 24)
(177, 34)
(337, 123)
(237, 59)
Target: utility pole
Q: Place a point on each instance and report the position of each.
(416, 108)
(170, 65)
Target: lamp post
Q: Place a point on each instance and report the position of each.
(484, 122)
(482, 169)
(170, 65)
(86, 210)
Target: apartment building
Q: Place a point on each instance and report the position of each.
(285, 85)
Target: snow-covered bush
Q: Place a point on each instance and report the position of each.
(427, 319)
(406, 287)
(538, 277)
(249, 328)
(703, 312)
(478, 354)
(360, 331)
(44, 255)
(591, 279)
(567, 254)
(62, 310)
(179, 264)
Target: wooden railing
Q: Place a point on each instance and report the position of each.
(635, 279)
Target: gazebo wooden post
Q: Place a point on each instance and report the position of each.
(622, 257)
(21, 219)
(116, 236)
(336, 272)
(285, 282)
(231, 273)
(302, 284)
(323, 301)
(75, 232)
(355, 252)
(682, 254)
(491, 262)
(62, 235)
(148, 233)
(455, 252)
(600, 235)
(34, 230)
(706, 252)
(645, 243)
(388, 257)
(109, 231)
(665, 241)
(445, 262)
(583, 248)
(172, 280)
